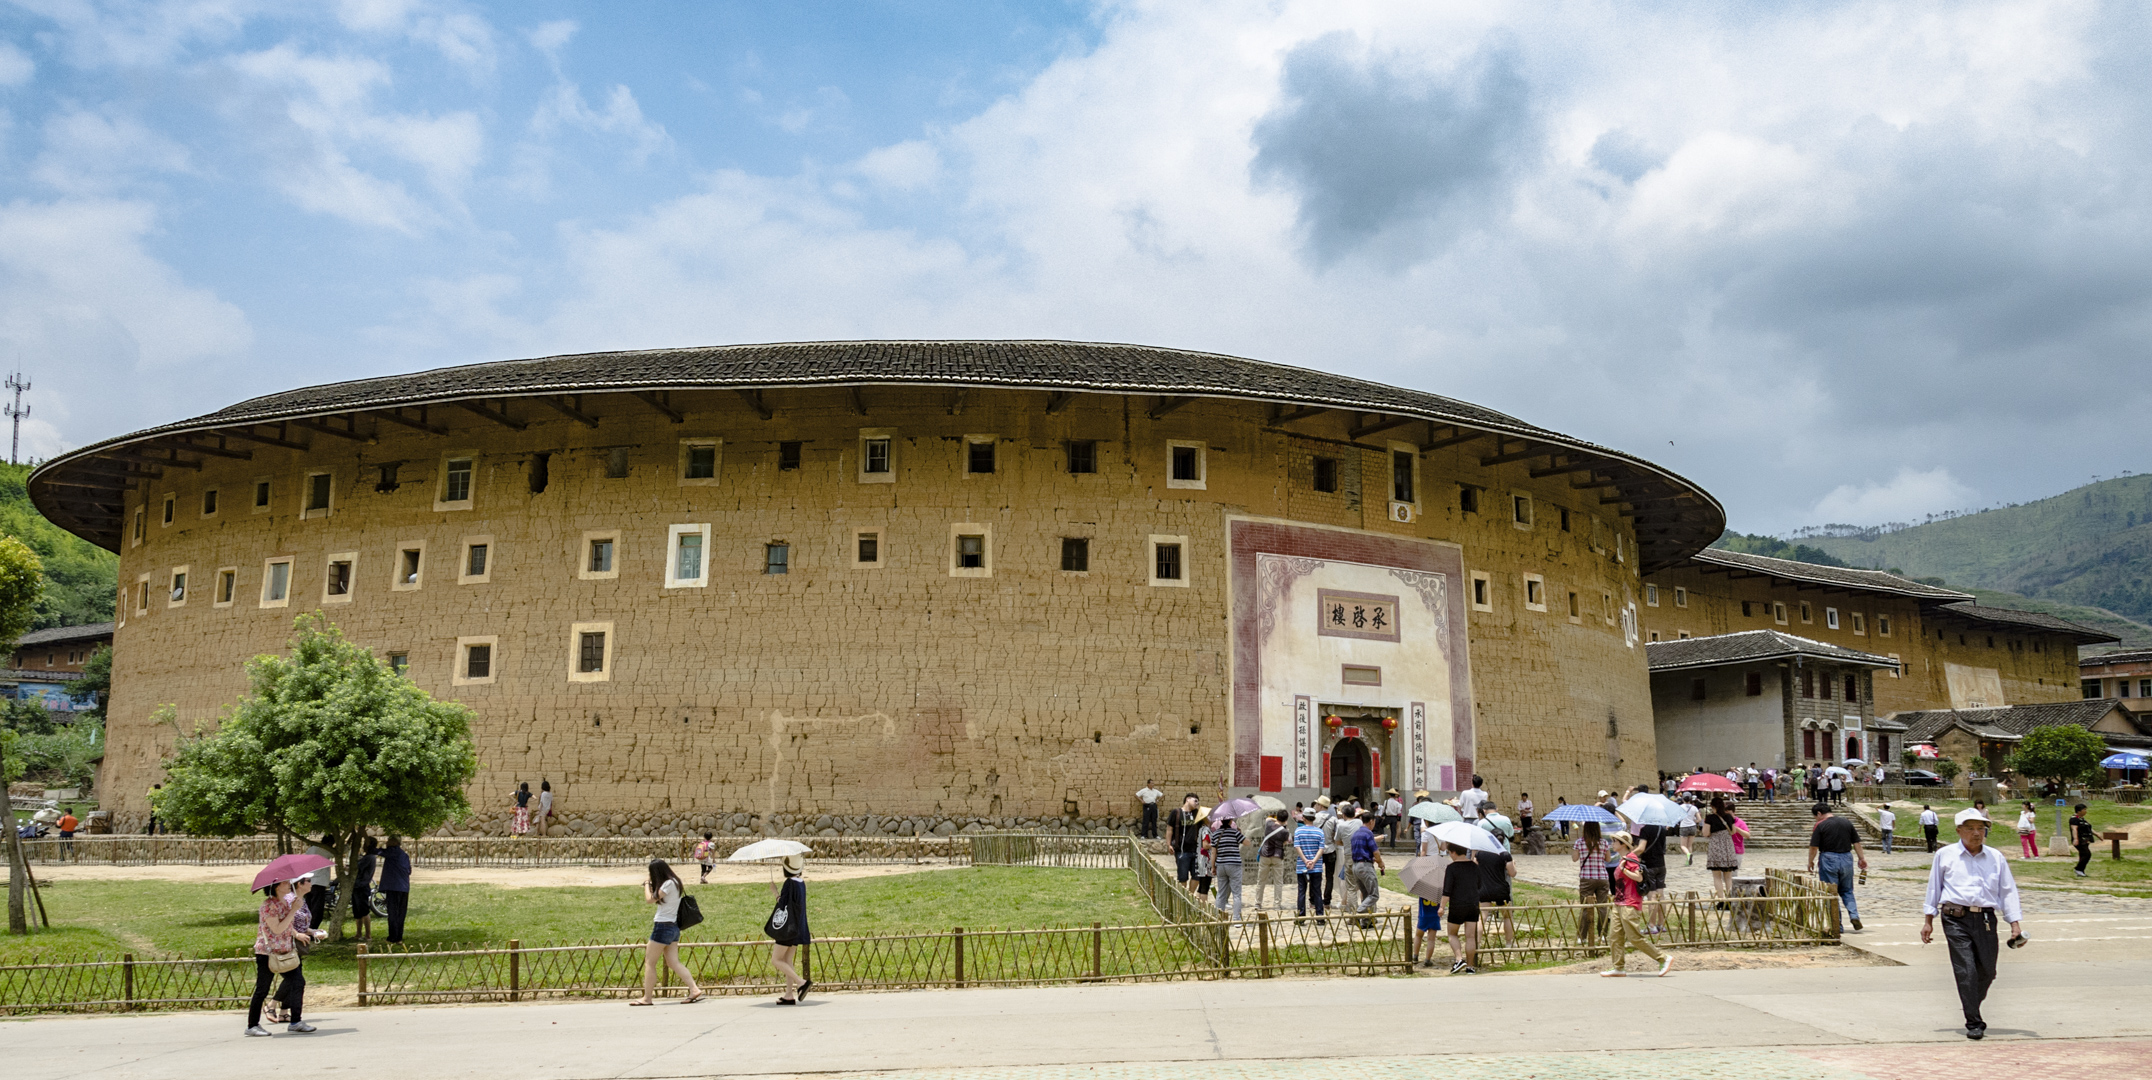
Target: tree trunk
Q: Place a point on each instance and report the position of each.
(347, 864)
(18, 919)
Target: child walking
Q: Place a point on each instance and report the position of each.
(1628, 928)
(1461, 899)
(706, 856)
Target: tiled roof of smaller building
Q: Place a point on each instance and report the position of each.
(1750, 646)
(1841, 576)
(85, 632)
(20, 675)
(2010, 722)
(2013, 619)
(2124, 656)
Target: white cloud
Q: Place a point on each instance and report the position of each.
(550, 37)
(904, 166)
(458, 35)
(95, 153)
(80, 289)
(563, 107)
(16, 67)
(1909, 496)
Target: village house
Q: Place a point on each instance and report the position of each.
(1764, 697)
(1992, 733)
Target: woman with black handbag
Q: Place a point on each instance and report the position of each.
(665, 890)
(788, 928)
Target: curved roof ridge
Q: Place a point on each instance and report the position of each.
(1843, 576)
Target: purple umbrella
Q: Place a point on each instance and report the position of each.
(289, 868)
(1235, 809)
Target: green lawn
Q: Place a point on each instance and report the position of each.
(101, 920)
(2104, 814)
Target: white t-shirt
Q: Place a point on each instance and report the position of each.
(668, 903)
(1888, 820)
(1524, 808)
(1149, 796)
(1469, 802)
(545, 803)
(1928, 817)
(2027, 823)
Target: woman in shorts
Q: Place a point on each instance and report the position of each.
(664, 890)
(1688, 830)
(1460, 896)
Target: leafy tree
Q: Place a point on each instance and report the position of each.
(80, 577)
(1947, 769)
(329, 741)
(22, 582)
(2060, 753)
(1981, 766)
(96, 679)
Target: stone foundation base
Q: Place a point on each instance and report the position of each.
(631, 823)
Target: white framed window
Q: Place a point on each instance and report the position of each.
(317, 495)
(141, 523)
(687, 556)
(1681, 596)
(176, 595)
(141, 594)
(1830, 617)
(1651, 596)
(868, 548)
(1535, 592)
(1778, 612)
(1520, 510)
(1808, 614)
(1606, 606)
(459, 480)
(1897, 666)
(171, 509)
(1682, 634)
(340, 577)
(478, 661)
(971, 550)
(1405, 474)
(1169, 561)
(227, 588)
(1621, 548)
(261, 495)
(590, 652)
(980, 452)
(599, 559)
(877, 455)
(407, 571)
(1482, 591)
(1576, 610)
(777, 557)
(1882, 625)
(209, 503)
(700, 461)
(1860, 624)
(276, 582)
(1185, 465)
(476, 557)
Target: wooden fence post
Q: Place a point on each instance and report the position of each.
(959, 937)
(127, 980)
(515, 969)
(1098, 940)
(362, 974)
(1262, 943)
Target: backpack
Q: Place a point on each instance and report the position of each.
(690, 912)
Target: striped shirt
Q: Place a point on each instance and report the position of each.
(1591, 862)
(1225, 845)
(1309, 840)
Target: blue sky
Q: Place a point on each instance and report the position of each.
(1837, 262)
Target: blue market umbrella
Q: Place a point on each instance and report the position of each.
(1582, 812)
(2123, 761)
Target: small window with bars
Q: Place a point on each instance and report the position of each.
(1075, 554)
(1083, 456)
(590, 651)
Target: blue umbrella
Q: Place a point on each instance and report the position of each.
(1582, 812)
(2123, 761)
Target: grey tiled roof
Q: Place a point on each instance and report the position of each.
(2013, 619)
(1015, 365)
(2011, 722)
(85, 632)
(1841, 576)
(2119, 656)
(1750, 646)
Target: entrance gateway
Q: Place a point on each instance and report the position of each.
(1359, 755)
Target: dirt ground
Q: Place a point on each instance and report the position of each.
(1731, 960)
(517, 878)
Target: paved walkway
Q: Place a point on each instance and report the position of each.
(1769, 1023)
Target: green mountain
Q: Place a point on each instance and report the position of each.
(80, 577)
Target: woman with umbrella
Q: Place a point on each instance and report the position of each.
(787, 925)
(275, 950)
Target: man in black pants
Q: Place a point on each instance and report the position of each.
(1149, 797)
(1970, 885)
(1928, 822)
(1183, 834)
(2081, 837)
(395, 886)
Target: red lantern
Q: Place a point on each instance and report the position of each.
(1389, 723)
(1334, 722)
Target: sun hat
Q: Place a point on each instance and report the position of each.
(1970, 814)
(1322, 800)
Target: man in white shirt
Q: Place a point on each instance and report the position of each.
(1928, 823)
(1393, 813)
(1970, 886)
(1886, 821)
(1469, 801)
(1149, 795)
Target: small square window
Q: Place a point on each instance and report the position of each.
(1754, 684)
(141, 516)
(400, 663)
(209, 503)
(1535, 592)
(1184, 464)
(776, 558)
(1808, 614)
(478, 662)
(1404, 481)
(1897, 666)
(410, 564)
(1326, 474)
(1520, 511)
(616, 463)
(591, 651)
(1576, 613)
(1682, 634)
(1830, 617)
(601, 556)
(1651, 596)
(1883, 628)
(227, 586)
(1565, 518)
(177, 597)
(170, 502)
(1168, 562)
(698, 461)
(687, 562)
(389, 481)
(1076, 554)
(319, 487)
(1083, 456)
(971, 552)
(788, 455)
(979, 455)
(1482, 592)
(1860, 623)
(1747, 609)
(261, 495)
(867, 548)
(877, 456)
(456, 481)
(1778, 612)
(336, 587)
(1681, 596)
(276, 583)
(1467, 499)
(475, 556)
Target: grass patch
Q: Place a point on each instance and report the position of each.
(100, 920)
(2103, 813)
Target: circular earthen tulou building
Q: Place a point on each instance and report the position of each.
(907, 586)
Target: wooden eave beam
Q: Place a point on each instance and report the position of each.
(396, 416)
(1457, 436)
(572, 408)
(1501, 457)
(266, 440)
(145, 459)
(1381, 423)
(493, 414)
(212, 451)
(1286, 414)
(1165, 405)
(80, 486)
(350, 431)
(1564, 470)
(102, 508)
(91, 467)
(754, 401)
(661, 400)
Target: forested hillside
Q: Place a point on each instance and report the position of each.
(79, 576)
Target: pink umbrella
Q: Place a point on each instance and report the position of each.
(1708, 782)
(290, 867)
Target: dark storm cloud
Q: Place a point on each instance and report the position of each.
(1374, 149)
